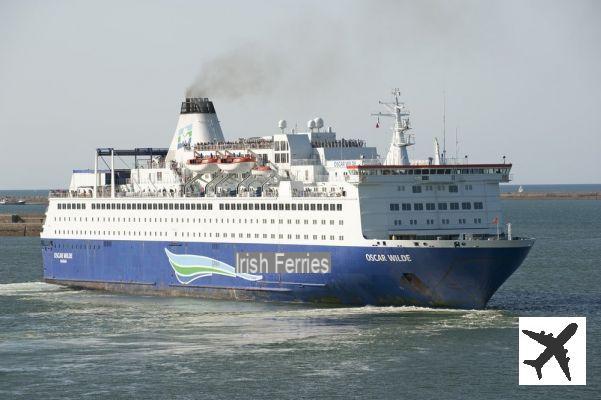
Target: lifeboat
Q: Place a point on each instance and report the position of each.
(236, 165)
(203, 165)
(261, 170)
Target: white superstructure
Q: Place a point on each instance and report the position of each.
(289, 188)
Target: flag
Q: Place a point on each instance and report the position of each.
(377, 124)
(496, 221)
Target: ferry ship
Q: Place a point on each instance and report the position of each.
(294, 216)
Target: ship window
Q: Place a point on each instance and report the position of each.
(312, 207)
(262, 206)
(171, 206)
(418, 206)
(221, 206)
(466, 206)
(293, 207)
(210, 206)
(181, 206)
(430, 206)
(394, 207)
(245, 206)
(454, 206)
(478, 205)
(68, 206)
(268, 206)
(187, 206)
(319, 207)
(416, 188)
(287, 206)
(154, 206)
(406, 206)
(339, 207)
(442, 206)
(306, 207)
(453, 189)
(281, 207)
(238, 206)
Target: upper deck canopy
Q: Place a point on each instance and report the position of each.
(137, 152)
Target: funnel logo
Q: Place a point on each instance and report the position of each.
(184, 136)
(552, 351)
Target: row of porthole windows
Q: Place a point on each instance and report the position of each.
(444, 221)
(466, 205)
(431, 188)
(280, 206)
(204, 220)
(152, 206)
(71, 206)
(193, 234)
(203, 206)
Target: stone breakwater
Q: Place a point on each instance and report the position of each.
(552, 196)
(21, 225)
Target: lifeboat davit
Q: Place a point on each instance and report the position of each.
(261, 170)
(204, 165)
(236, 165)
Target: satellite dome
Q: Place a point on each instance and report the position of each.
(318, 122)
(311, 124)
(282, 124)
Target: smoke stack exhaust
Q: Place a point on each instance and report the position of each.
(197, 123)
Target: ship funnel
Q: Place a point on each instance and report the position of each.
(197, 123)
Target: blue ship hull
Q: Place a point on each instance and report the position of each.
(434, 277)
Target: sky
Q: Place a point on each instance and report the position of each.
(520, 78)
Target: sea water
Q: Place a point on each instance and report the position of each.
(72, 344)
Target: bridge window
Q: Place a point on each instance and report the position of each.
(442, 206)
(418, 206)
(394, 207)
(454, 206)
(430, 206)
(466, 206)
(406, 206)
(416, 189)
(478, 205)
(453, 189)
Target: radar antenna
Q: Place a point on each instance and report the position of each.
(397, 154)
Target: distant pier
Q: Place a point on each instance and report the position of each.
(21, 225)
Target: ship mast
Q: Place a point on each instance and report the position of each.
(397, 153)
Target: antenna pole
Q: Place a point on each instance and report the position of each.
(456, 143)
(444, 126)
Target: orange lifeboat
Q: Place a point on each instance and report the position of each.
(236, 165)
(203, 165)
(261, 170)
